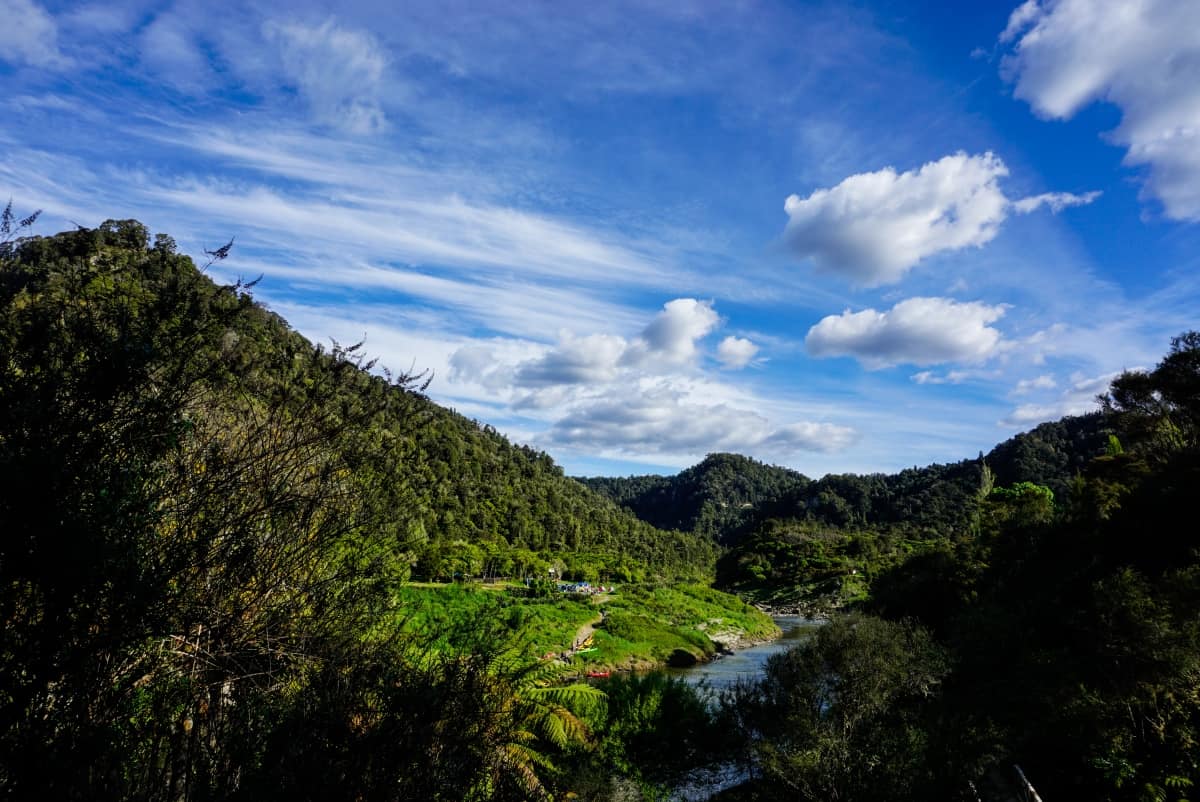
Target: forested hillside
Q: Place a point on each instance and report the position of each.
(790, 538)
(713, 498)
(825, 543)
(1058, 633)
(205, 520)
(727, 496)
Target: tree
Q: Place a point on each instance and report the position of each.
(183, 511)
(841, 716)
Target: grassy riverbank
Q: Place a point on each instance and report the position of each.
(639, 626)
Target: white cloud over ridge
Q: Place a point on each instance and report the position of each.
(651, 394)
(576, 360)
(874, 227)
(664, 421)
(669, 341)
(1143, 57)
(918, 331)
(1078, 399)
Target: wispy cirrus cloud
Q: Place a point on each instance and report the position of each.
(338, 71)
(1055, 201)
(29, 36)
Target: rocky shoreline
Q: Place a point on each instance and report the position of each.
(813, 609)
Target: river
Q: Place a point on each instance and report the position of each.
(745, 664)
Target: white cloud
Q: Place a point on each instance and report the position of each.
(1056, 201)
(646, 397)
(873, 227)
(170, 50)
(103, 18)
(1043, 382)
(576, 360)
(669, 342)
(29, 35)
(1021, 18)
(950, 377)
(736, 352)
(665, 421)
(338, 71)
(1142, 56)
(1077, 399)
(920, 331)
(674, 332)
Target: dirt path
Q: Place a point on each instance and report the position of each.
(586, 631)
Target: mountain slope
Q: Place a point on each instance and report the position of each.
(728, 496)
(713, 498)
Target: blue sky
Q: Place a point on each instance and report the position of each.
(833, 236)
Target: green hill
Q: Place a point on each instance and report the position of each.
(714, 498)
(207, 521)
(728, 496)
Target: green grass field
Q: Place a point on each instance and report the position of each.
(641, 626)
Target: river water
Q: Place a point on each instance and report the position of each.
(748, 663)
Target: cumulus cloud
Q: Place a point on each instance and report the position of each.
(663, 421)
(338, 71)
(576, 360)
(29, 35)
(1022, 16)
(479, 364)
(1077, 399)
(1143, 57)
(736, 352)
(874, 227)
(920, 331)
(674, 332)
(669, 341)
(649, 395)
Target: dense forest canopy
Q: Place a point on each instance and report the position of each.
(790, 538)
(1059, 633)
(726, 496)
(713, 498)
